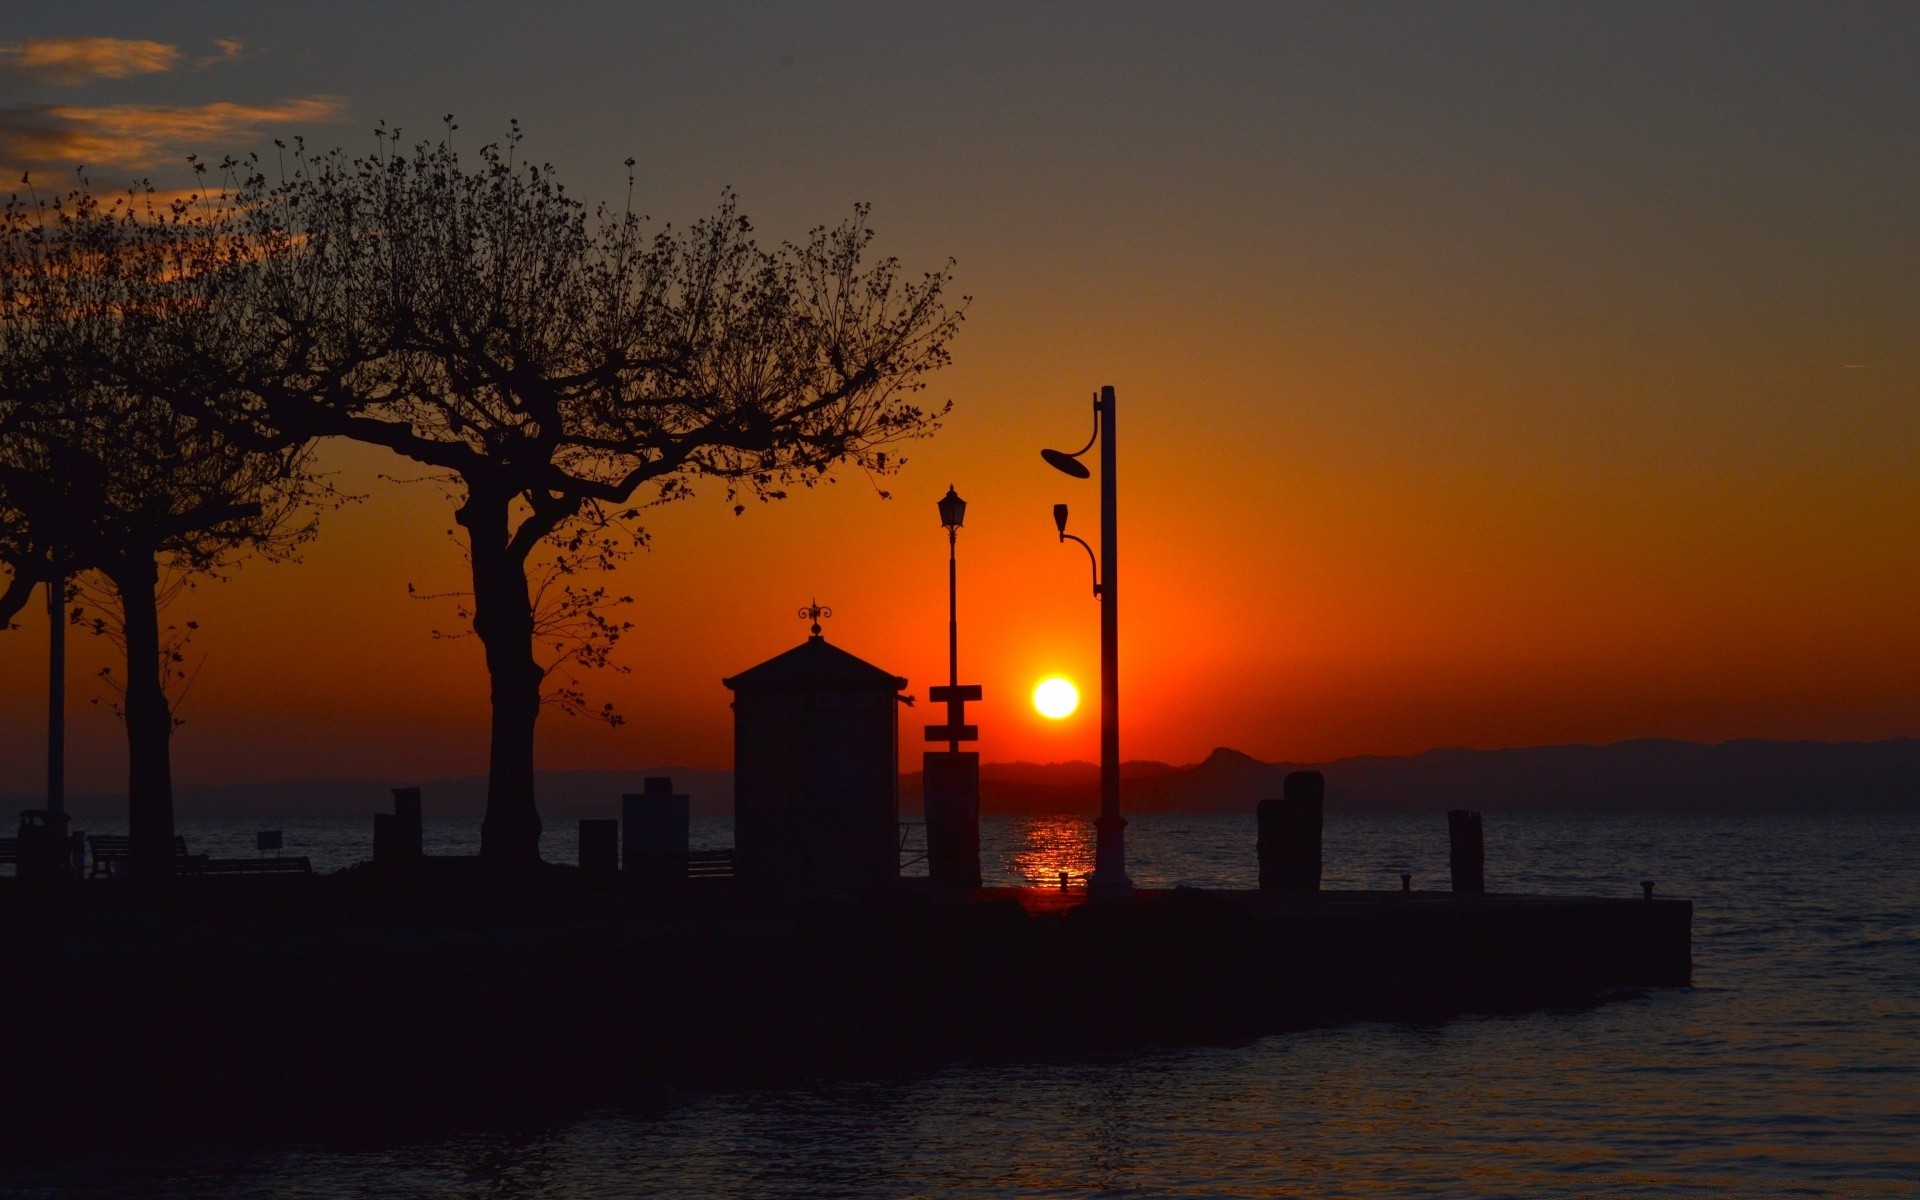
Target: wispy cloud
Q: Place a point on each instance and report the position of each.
(225, 50)
(137, 135)
(80, 59)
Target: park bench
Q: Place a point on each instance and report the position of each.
(710, 864)
(248, 866)
(110, 851)
(9, 850)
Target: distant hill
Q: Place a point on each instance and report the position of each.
(1636, 776)
(562, 794)
(1633, 776)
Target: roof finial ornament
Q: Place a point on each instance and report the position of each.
(814, 612)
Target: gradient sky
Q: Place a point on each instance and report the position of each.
(1489, 374)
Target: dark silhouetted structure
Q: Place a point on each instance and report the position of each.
(400, 836)
(1466, 852)
(600, 848)
(655, 833)
(1289, 837)
(951, 791)
(816, 762)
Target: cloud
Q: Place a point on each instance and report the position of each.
(227, 49)
(79, 59)
(138, 135)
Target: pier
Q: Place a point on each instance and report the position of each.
(292, 1005)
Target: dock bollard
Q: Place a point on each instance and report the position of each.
(1289, 838)
(1406, 882)
(950, 799)
(1467, 852)
(654, 826)
(1646, 889)
(409, 826)
(600, 848)
(399, 836)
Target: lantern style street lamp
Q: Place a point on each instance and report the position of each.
(950, 778)
(953, 513)
(1109, 879)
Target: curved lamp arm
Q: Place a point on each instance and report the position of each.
(1060, 460)
(1060, 523)
(1092, 562)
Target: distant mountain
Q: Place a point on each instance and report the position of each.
(1635, 776)
(562, 794)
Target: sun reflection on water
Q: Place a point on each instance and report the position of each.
(1048, 846)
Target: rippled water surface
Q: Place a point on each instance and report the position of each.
(1791, 1068)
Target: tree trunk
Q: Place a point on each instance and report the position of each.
(149, 725)
(503, 620)
(57, 702)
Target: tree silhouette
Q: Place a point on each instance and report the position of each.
(564, 367)
(99, 473)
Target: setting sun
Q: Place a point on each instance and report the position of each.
(1056, 697)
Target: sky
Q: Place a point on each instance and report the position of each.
(1488, 374)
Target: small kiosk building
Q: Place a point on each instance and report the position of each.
(816, 770)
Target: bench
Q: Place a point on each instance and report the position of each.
(10, 850)
(710, 864)
(110, 850)
(247, 866)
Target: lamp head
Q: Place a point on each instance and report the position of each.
(953, 510)
(1070, 464)
(1060, 518)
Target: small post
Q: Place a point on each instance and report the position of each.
(1289, 838)
(1467, 852)
(1406, 882)
(950, 790)
(655, 832)
(1063, 881)
(600, 849)
(399, 836)
(406, 816)
(385, 838)
(1646, 889)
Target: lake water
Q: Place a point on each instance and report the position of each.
(1792, 1067)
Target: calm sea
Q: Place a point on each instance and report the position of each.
(1791, 1068)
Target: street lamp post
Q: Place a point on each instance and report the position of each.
(950, 779)
(1110, 842)
(953, 514)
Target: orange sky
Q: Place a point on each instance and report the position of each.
(1486, 384)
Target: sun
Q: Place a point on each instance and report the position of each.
(1056, 697)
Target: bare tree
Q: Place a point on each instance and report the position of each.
(102, 474)
(566, 367)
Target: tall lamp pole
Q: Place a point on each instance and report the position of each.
(1110, 829)
(953, 512)
(951, 777)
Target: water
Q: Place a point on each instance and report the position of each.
(1791, 1068)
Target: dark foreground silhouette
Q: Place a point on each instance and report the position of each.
(377, 1001)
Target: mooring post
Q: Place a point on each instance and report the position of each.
(1406, 882)
(1289, 838)
(1467, 852)
(655, 832)
(1646, 889)
(410, 827)
(398, 836)
(950, 799)
(600, 848)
